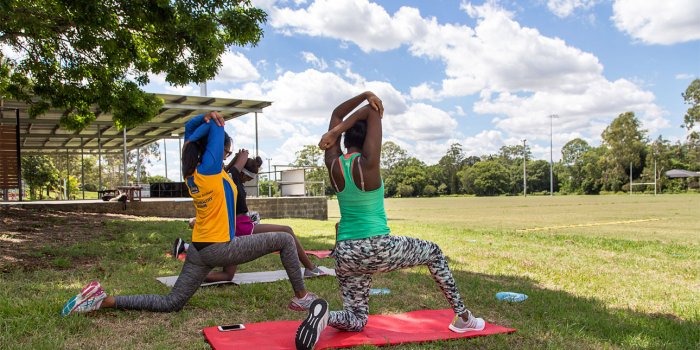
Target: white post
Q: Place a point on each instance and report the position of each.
(179, 156)
(124, 138)
(138, 166)
(269, 178)
(256, 134)
(165, 152)
(551, 161)
(655, 177)
(630, 178)
(524, 168)
(99, 156)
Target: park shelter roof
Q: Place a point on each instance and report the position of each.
(44, 134)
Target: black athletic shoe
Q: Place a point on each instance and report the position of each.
(309, 331)
(178, 247)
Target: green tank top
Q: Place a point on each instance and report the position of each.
(362, 213)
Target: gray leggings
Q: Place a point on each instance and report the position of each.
(198, 264)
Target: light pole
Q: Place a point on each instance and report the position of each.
(524, 168)
(269, 178)
(551, 162)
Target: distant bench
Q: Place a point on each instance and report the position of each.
(133, 193)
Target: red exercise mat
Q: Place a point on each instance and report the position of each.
(411, 327)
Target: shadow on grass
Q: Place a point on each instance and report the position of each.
(547, 319)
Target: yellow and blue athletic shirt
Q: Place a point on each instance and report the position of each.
(212, 189)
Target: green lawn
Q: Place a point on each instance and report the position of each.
(602, 272)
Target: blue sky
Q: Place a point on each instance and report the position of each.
(483, 74)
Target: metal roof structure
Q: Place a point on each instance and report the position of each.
(44, 133)
(674, 173)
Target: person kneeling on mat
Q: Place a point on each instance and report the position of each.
(363, 243)
(214, 244)
(243, 169)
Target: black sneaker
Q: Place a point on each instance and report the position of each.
(178, 247)
(309, 331)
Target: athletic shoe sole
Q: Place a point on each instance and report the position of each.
(309, 330)
(464, 330)
(177, 245)
(86, 293)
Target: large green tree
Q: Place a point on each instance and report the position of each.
(691, 96)
(511, 157)
(391, 155)
(486, 178)
(573, 160)
(450, 164)
(39, 173)
(626, 144)
(73, 54)
(410, 172)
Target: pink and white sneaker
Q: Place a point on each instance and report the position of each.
(89, 299)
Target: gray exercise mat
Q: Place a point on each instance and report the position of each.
(247, 277)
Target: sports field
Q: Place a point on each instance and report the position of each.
(601, 272)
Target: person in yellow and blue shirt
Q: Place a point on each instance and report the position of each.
(213, 240)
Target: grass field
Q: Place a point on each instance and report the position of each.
(601, 272)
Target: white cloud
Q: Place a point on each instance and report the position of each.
(361, 22)
(483, 143)
(236, 68)
(421, 122)
(564, 8)
(591, 110)
(685, 76)
(10, 53)
(315, 61)
(658, 22)
(459, 111)
(159, 85)
(302, 105)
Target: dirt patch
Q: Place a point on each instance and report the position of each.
(27, 235)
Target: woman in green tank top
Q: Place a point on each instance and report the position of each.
(363, 245)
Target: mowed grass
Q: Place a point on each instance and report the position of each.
(601, 272)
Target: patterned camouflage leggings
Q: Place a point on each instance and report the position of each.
(357, 260)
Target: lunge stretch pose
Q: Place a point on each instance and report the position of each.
(363, 244)
(243, 169)
(214, 198)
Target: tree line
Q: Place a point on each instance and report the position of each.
(583, 168)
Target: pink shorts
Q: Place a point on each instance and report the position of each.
(244, 226)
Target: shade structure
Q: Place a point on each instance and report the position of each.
(44, 134)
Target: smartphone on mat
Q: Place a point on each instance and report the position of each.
(231, 327)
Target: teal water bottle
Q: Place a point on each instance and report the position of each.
(510, 296)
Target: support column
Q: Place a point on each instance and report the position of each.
(256, 134)
(99, 157)
(165, 152)
(67, 176)
(124, 139)
(82, 167)
(138, 166)
(19, 157)
(179, 158)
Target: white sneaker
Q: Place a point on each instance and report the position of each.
(460, 326)
(315, 272)
(89, 299)
(302, 304)
(310, 329)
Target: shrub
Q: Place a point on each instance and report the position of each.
(429, 191)
(404, 190)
